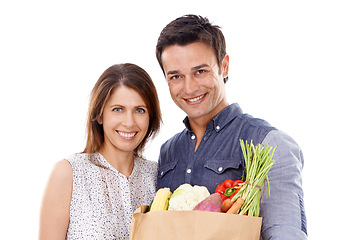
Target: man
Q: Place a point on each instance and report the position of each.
(192, 54)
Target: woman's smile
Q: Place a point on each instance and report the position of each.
(127, 135)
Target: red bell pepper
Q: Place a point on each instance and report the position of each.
(229, 188)
(221, 190)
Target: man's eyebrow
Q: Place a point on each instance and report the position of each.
(199, 66)
(172, 72)
(193, 69)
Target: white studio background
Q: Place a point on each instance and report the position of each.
(285, 67)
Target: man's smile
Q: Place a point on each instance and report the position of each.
(195, 99)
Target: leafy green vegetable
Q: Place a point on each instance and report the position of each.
(258, 161)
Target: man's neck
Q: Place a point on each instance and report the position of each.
(199, 125)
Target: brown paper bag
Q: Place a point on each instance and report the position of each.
(199, 225)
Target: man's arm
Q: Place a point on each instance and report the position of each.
(283, 212)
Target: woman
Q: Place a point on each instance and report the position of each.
(92, 195)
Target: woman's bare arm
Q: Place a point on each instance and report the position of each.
(54, 218)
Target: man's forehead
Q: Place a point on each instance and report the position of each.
(189, 57)
(195, 68)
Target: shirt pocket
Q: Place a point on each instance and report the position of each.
(220, 166)
(163, 170)
(166, 174)
(217, 171)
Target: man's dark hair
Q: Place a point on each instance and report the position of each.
(189, 29)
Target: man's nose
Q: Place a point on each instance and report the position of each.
(190, 85)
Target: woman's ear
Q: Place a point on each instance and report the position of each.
(98, 119)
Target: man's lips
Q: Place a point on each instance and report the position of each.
(195, 99)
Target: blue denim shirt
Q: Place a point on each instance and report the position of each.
(219, 157)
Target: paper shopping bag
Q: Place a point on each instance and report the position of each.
(197, 225)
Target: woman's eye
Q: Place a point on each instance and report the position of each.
(140, 110)
(117, 109)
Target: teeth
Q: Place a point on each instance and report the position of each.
(196, 99)
(127, 135)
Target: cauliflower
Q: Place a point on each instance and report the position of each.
(186, 197)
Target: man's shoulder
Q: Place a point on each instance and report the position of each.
(246, 126)
(234, 116)
(174, 140)
(254, 122)
(251, 125)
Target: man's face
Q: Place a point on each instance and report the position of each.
(195, 83)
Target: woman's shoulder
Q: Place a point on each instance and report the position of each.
(62, 170)
(81, 162)
(146, 164)
(61, 179)
(77, 158)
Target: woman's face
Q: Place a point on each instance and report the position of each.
(125, 120)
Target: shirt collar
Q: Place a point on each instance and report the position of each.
(100, 161)
(221, 119)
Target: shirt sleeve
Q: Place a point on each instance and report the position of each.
(283, 214)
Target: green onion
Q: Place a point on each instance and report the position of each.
(258, 161)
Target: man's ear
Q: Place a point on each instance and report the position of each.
(225, 66)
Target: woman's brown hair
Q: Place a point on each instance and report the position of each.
(131, 76)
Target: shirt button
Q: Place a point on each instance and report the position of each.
(189, 170)
(217, 127)
(193, 137)
(220, 169)
(162, 173)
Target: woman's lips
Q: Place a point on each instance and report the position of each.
(127, 135)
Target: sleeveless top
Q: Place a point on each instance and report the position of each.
(103, 199)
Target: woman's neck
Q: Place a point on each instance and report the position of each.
(120, 160)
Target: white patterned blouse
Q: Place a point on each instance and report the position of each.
(103, 199)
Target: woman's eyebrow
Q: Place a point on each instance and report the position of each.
(123, 106)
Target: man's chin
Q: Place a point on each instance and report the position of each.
(195, 115)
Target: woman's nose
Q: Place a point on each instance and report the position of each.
(128, 120)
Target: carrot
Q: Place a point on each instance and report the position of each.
(236, 206)
(226, 205)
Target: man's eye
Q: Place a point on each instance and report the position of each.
(174, 77)
(201, 71)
